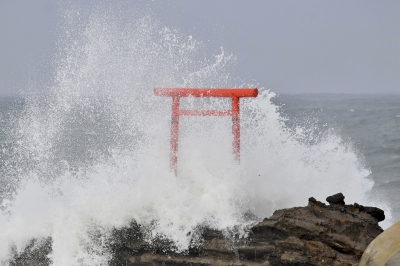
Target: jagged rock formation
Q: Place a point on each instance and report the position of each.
(313, 235)
(316, 234)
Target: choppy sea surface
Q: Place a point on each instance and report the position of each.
(368, 123)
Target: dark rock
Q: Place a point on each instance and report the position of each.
(360, 207)
(337, 199)
(312, 200)
(375, 212)
(313, 235)
(317, 234)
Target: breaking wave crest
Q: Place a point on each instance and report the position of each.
(92, 152)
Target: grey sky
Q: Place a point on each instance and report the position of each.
(287, 46)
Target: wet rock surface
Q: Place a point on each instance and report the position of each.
(317, 234)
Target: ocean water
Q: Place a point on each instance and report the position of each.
(88, 151)
(370, 124)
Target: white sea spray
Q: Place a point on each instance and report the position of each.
(93, 153)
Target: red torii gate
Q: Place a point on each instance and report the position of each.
(177, 93)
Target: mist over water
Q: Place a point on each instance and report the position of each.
(92, 153)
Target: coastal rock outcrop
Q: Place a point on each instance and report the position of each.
(317, 234)
(313, 235)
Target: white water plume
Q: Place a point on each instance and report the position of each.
(93, 153)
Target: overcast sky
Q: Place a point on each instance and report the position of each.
(287, 46)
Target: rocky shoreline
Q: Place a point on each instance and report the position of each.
(317, 234)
